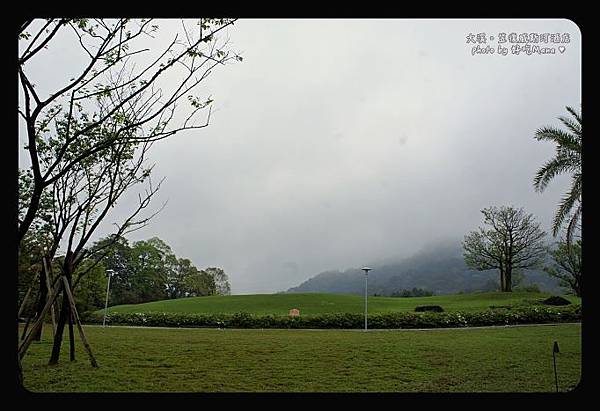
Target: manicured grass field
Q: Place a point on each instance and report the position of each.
(319, 303)
(500, 359)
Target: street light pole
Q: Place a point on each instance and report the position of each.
(366, 270)
(110, 273)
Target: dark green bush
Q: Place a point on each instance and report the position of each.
(433, 308)
(415, 292)
(501, 316)
(556, 300)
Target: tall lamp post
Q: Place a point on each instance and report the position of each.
(110, 274)
(366, 270)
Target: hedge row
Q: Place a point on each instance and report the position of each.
(528, 315)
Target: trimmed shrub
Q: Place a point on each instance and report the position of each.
(535, 314)
(434, 308)
(556, 300)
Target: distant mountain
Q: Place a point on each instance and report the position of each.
(438, 267)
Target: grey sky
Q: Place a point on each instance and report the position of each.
(336, 143)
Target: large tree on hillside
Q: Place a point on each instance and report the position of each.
(177, 275)
(512, 240)
(567, 160)
(151, 262)
(220, 280)
(117, 257)
(198, 283)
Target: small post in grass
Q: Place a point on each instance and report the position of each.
(554, 351)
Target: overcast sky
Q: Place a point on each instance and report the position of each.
(339, 143)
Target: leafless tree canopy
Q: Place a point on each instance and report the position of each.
(88, 140)
(114, 98)
(512, 240)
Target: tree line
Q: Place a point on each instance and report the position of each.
(149, 270)
(140, 272)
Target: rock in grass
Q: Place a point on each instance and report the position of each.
(434, 308)
(556, 300)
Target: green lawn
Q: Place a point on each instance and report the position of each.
(500, 359)
(318, 303)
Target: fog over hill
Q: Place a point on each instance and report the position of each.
(338, 142)
(438, 267)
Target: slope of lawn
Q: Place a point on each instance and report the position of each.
(500, 359)
(319, 303)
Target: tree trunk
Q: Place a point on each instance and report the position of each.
(60, 327)
(65, 311)
(86, 345)
(34, 204)
(508, 280)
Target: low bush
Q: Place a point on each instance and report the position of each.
(556, 300)
(433, 308)
(415, 292)
(516, 315)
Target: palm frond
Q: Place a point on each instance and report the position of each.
(571, 125)
(561, 138)
(573, 223)
(567, 159)
(552, 168)
(566, 204)
(574, 114)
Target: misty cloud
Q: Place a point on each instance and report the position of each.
(336, 143)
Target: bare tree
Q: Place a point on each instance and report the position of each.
(566, 265)
(111, 86)
(513, 240)
(100, 184)
(83, 199)
(113, 105)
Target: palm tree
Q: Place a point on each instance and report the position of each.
(567, 160)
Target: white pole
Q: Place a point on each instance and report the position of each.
(366, 283)
(366, 270)
(106, 303)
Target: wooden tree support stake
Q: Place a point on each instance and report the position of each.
(26, 327)
(25, 299)
(22, 308)
(40, 321)
(48, 271)
(79, 327)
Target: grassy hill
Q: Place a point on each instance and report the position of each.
(319, 303)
